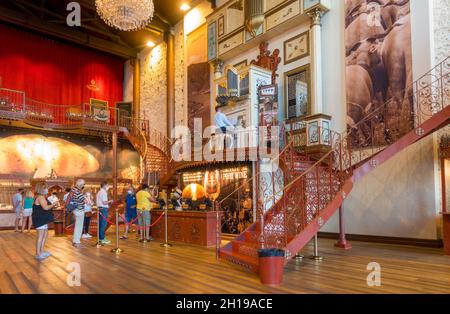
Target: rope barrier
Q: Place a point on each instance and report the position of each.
(132, 221)
(137, 226)
(106, 219)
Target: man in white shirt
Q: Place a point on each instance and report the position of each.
(17, 201)
(222, 121)
(102, 203)
(223, 124)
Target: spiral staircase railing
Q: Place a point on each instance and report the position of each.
(15, 106)
(309, 197)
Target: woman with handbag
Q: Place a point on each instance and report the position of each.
(88, 203)
(42, 216)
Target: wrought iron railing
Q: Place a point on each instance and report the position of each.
(283, 215)
(14, 105)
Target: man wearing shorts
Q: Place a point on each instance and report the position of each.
(144, 205)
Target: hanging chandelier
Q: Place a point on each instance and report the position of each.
(126, 15)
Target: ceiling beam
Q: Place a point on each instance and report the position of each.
(21, 7)
(62, 19)
(66, 33)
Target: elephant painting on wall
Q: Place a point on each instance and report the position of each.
(378, 70)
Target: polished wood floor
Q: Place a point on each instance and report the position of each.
(148, 268)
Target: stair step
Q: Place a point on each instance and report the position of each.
(248, 262)
(251, 235)
(245, 248)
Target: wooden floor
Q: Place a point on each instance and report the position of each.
(148, 268)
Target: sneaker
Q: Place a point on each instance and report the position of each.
(85, 236)
(150, 239)
(41, 257)
(88, 236)
(46, 254)
(105, 241)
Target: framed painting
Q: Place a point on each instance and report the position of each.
(296, 48)
(99, 110)
(239, 66)
(221, 26)
(298, 92)
(212, 41)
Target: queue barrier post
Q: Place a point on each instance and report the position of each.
(166, 243)
(117, 249)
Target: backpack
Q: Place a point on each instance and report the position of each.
(71, 205)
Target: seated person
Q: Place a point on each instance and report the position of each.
(176, 199)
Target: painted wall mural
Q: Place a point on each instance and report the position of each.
(378, 69)
(37, 155)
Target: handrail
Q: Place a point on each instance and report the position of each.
(346, 134)
(310, 192)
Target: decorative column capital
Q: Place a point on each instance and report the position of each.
(316, 17)
(218, 67)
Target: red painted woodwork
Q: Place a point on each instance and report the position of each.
(55, 72)
(191, 227)
(312, 193)
(446, 233)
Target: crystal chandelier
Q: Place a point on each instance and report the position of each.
(126, 15)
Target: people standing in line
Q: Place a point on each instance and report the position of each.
(66, 194)
(130, 210)
(145, 203)
(17, 202)
(103, 203)
(88, 203)
(77, 197)
(42, 216)
(67, 213)
(27, 211)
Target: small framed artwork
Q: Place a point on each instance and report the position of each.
(99, 110)
(298, 92)
(212, 41)
(221, 25)
(296, 48)
(313, 133)
(239, 66)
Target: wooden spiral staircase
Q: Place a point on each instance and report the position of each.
(152, 145)
(313, 190)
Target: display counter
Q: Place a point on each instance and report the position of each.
(193, 227)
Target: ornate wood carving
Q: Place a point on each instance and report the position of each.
(444, 147)
(267, 60)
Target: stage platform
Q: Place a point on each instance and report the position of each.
(183, 268)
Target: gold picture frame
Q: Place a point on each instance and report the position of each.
(240, 65)
(99, 110)
(296, 48)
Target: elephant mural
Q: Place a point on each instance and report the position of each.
(379, 69)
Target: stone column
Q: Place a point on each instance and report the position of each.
(316, 63)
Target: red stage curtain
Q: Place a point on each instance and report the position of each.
(55, 72)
